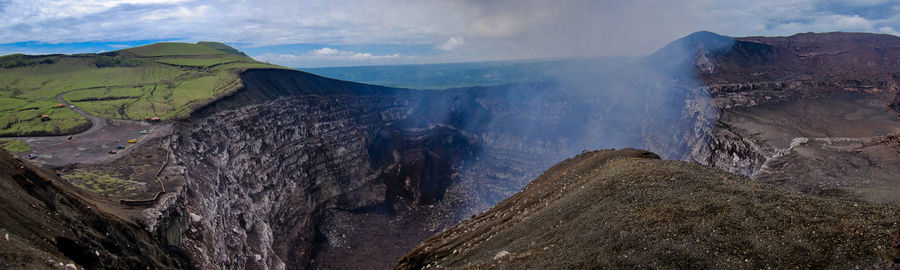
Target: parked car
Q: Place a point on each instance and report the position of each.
(112, 152)
(32, 156)
(144, 131)
(120, 147)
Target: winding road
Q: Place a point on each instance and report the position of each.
(97, 123)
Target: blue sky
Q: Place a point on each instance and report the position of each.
(372, 32)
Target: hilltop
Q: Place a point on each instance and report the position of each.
(166, 80)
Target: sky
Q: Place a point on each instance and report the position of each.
(379, 32)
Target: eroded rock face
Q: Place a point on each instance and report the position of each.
(771, 72)
(801, 113)
(295, 182)
(260, 178)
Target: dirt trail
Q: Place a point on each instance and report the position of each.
(162, 185)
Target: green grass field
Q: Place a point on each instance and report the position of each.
(14, 146)
(99, 182)
(198, 62)
(173, 48)
(163, 79)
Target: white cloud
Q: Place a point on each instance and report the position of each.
(888, 30)
(176, 13)
(324, 51)
(339, 54)
(326, 56)
(451, 44)
(455, 29)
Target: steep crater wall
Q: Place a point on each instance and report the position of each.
(300, 171)
(307, 180)
(260, 178)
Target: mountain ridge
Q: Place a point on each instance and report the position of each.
(628, 209)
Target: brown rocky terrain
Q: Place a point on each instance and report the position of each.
(628, 209)
(838, 88)
(45, 223)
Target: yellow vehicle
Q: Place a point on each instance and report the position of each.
(132, 141)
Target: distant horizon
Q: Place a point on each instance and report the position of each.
(42, 48)
(46, 49)
(343, 33)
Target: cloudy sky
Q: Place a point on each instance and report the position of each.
(366, 32)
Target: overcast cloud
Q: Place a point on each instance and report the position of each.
(358, 32)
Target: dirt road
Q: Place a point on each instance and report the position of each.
(93, 145)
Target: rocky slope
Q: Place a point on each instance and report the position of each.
(628, 209)
(46, 224)
(829, 86)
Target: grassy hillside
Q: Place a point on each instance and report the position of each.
(163, 79)
(172, 48)
(14, 146)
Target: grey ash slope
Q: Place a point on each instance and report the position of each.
(628, 209)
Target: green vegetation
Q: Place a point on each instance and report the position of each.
(14, 146)
(221, 47)
(100, 182)
(202, 62)
(23, 118)
(164, 79)
(172, 48)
